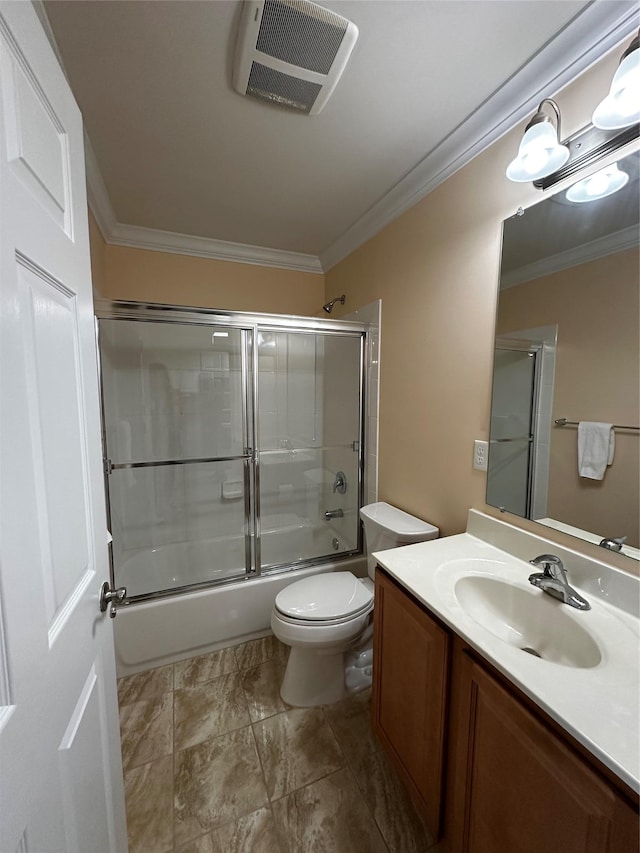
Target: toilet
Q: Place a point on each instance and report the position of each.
(327, 618)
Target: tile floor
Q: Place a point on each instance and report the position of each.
(215, 762)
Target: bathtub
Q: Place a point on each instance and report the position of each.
(149, 634)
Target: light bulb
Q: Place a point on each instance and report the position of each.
(599, 185)
(539, 154)
(621, 107)
(535, 160)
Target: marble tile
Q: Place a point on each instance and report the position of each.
(328, 816)
(188, 673)
(216, 782)
(261, 685)
(145, 685)
(146, 730)
(254, 833)
(149, 802)
(258, 651)
(210, 709)
(296, 747)
(391, 806)
(350, 721)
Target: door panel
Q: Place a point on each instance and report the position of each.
(60, 767)
(51, 349)
(518, 787)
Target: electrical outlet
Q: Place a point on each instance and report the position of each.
(480, 454)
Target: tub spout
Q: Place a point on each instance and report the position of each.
(333, 513)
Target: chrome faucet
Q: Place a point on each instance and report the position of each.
(333, 513)
(553, 580)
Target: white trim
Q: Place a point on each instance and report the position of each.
(97, 193)
(599, 28)
(585, 40)
(599, 248)
(205, 247)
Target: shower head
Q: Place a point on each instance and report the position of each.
(329, 306)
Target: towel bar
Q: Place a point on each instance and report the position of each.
(565, 422)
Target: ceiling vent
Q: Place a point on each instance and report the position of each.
(291, 52)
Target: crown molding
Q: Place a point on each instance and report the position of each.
(155, 240)
(584, 40)
(608, 245)
(97, 194)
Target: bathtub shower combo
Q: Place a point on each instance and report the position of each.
(234, 454)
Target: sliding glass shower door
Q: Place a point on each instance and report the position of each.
(232, 448)
(309, 431)
(509, 480)
(177, 424)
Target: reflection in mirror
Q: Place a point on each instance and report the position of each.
(567, 355)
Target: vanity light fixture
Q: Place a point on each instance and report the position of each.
(621, 107)
(540, 152)
(603, 183)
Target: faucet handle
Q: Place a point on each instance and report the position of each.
(613, 544)
(340, 483)
(551, 566)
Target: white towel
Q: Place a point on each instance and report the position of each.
(596, 445)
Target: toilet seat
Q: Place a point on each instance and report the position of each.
(325, 599)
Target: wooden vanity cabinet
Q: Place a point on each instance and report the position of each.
(516, 785)
(410, 689)
(515, 782)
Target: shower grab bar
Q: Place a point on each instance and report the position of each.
(565, 422)
(515, 438)
(114, 466)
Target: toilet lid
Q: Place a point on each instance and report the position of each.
(322, 597)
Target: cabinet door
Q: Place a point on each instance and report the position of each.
(409, 693)
(518, 787)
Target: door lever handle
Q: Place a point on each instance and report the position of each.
(109, 596)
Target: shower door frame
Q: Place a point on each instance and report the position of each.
(246, 323)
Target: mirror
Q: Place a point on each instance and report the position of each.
(567, 351)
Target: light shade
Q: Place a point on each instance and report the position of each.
(540, 153)
(621, 107)
(603, 183)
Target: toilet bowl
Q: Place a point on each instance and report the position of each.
(327, 618)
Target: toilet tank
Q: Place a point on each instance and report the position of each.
(386, 526)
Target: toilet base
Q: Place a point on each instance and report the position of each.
(321, 677)
(313, 677)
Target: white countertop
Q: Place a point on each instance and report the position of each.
(599, 705)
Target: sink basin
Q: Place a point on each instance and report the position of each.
(529, 620)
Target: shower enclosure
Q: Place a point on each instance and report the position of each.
(233, 444)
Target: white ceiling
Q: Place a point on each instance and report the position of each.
(430, 82)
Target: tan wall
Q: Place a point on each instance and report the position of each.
(596, 307)
(147, 276)
(436, 270)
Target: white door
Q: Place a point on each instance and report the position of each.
(60, 769)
